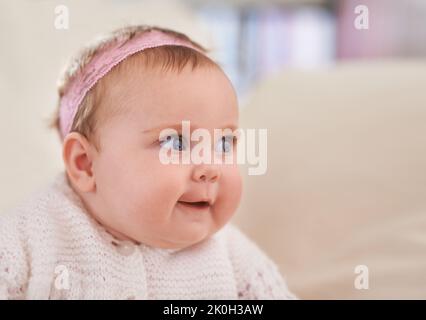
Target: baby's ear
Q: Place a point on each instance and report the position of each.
(77, 154)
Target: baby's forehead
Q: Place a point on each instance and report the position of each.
(148, 88)
(160, 97)
(145, 85)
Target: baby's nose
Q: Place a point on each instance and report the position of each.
(206, 173)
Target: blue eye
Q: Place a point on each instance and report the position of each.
(225, 144)
(175, 142)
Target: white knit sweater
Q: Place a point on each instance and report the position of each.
(51, 248)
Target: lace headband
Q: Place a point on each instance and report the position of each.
(102, 63)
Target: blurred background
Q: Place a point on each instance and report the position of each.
(340, 86)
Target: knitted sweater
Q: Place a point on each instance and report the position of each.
(51, 248)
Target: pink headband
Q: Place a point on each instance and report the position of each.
(102, 63)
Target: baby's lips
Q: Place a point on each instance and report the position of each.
(194, 200)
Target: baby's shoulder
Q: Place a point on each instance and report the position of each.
(30, 217)
(14, 251)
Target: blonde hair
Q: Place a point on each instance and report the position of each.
(168, 57)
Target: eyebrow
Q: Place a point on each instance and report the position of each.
(178, 127)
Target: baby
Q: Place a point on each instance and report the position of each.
(119, 223)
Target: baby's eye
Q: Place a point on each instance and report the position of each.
(175, 142)
(225, 144)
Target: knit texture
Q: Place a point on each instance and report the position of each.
(51, 248)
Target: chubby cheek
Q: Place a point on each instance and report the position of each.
(155, 192)
(229, 195)
(159, 192)
(142, 191)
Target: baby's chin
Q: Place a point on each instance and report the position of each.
(183, 230)
(183, 239)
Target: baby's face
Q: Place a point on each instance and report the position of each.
(137, 196)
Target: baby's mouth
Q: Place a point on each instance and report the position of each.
(196, 205)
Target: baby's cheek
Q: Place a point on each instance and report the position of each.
(159, 190)
(229, 192)
(233, 179)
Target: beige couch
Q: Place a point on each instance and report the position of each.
(346, 179)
